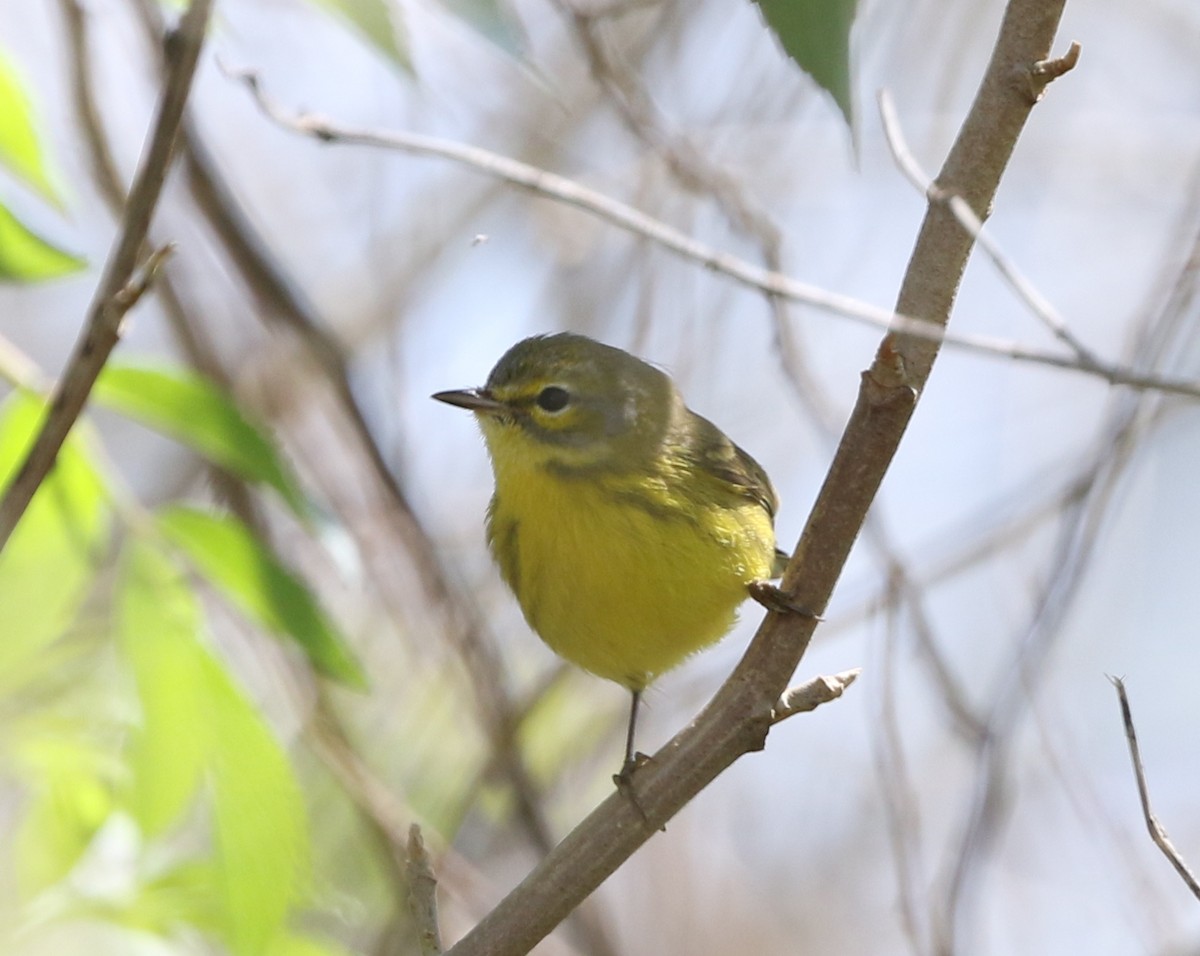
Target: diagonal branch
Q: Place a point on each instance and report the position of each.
(973, 224)
(1157, 833)
(118, 288)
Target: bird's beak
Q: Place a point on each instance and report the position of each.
(473, 399)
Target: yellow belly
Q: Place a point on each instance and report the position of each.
(622, 587)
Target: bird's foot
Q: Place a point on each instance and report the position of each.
(775, 599)
(624, 782)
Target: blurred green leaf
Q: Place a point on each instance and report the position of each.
(190, 703)
(26, 257)
(287, 944)
(68, 799)
(262, 833)
(20, 149)
(158, 621)
(49, 562)
(230, 557)
(379, 21)
(183, 895)
(191, 409)
(816, 34)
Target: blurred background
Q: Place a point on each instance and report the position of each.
(971, 793)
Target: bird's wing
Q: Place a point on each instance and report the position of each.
(720, 458)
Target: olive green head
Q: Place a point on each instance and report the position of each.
(573, 402)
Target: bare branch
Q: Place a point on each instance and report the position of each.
(973, 224)
(552, 186)
(812, 694)
(422, 890)
(1157, 833)
(1045, 72)
(118, 288)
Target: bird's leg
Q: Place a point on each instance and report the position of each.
(775, 599)
(633, 759)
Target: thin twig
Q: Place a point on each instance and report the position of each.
(118, 285)
(1157, 833)
(105, 174)
(973, 224)
(422, 894)
(898, 796)
(812, 694)
(1048, 70)
(552, 186)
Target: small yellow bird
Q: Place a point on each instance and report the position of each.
(628, 527)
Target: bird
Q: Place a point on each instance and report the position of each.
(628, 527)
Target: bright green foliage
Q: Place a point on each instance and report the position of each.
(237, 564)
(288, 945)
(261, 831)
(816, 34)
(183, 894)
(20, 149)
(27, 257)
(380, 24)
(69, 800)
(257, 810)
(24, 255)
(48, 563)
(158, 621)
(148, 739)
(191, 409)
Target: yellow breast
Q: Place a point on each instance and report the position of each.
(621, 576)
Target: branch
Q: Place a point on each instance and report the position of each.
(738, 718)
(119, 287)
(812, 694)
(1157, 833)
(422, 888)
(772, 282)
(973, 224)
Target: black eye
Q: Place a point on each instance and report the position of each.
(553, 399)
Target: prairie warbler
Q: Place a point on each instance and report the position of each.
(628, 527)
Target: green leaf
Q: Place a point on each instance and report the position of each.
(263, 856)
(231, 559)
(816, 34)
(185, 894)
(49, 562)
(262, 834)
(20, 149)
(379, 23)
(191, 409)
(26, 257)
(158, 621)
(288, 944)
(68, 800)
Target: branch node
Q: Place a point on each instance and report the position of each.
(812, 694)
(128, 295)
(1157, 833)
(422, 894)
(1045, 72)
